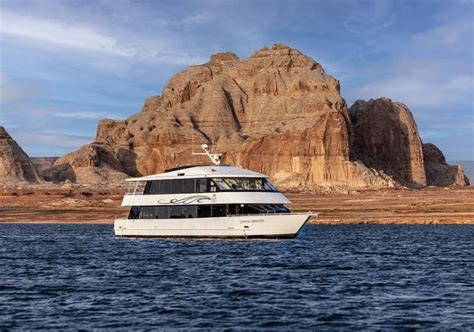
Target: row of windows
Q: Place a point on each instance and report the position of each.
(184, 186)
(203, 211)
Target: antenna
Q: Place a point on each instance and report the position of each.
(215, 157)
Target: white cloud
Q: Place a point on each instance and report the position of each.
(84, 115)
(68, 34)
(446, 35)
(432, 71)
(61, 33)
(419, 89)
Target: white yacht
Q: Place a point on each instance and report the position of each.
(207, 201)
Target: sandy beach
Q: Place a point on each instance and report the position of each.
(454, 205)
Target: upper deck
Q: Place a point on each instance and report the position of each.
(201, 185)
(214, 171)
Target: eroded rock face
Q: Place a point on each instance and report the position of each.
(438, 172)
(386, 138)
(15, 165)
(43, 163)
(90, 164)
(276, 112)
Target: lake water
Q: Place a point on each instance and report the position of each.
(344, 277)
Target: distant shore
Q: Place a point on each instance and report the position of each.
(87, 205)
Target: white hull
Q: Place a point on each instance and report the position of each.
(244, 226)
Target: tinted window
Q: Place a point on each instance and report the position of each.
(134, 213)
(201, 185)
(204, 211)
(188, 185)
(161, 212)
(153, 187)
(190, 211)
(234, 209)
(147, 212)
(147, 187)
(165, 186)
(268, 186)
(176, 186)
(219, 210)
(251, 209)
(176, 212)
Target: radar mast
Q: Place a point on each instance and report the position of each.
(215, 157)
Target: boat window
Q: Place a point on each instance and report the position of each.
(251, 209)
(176, 186)
(212, 186)
(280, 208)
(147, 187)
(147, 212)
(219, 210)
(248, 184)
(188, 185)
(201, 185)
(152, 188)
(176, 212)
(190, 211)
(204, 211)
(234, 209)
(161, 212)
(268, 186)
(222, 184)
(243, 184)
(165, 187)
(134, 212)
(233, 183)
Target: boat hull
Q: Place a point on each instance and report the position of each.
(285, 225)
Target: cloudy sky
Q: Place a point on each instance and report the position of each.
(66, 64)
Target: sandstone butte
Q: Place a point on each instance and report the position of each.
(276, 112)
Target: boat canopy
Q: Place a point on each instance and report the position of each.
(202, 172)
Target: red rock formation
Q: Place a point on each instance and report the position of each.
(15, 165)
(438, 172)
(385, 137)
(43, 163)
(277, 112)
(90, 164)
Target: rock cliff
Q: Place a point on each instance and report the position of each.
(276, 112)
(43, 163)
(15, 165)
(385, 137)
(438, 172)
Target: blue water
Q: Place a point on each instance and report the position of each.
(343, 277)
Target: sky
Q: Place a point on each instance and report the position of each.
(66, 64)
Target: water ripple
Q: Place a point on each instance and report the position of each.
(341, 277)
